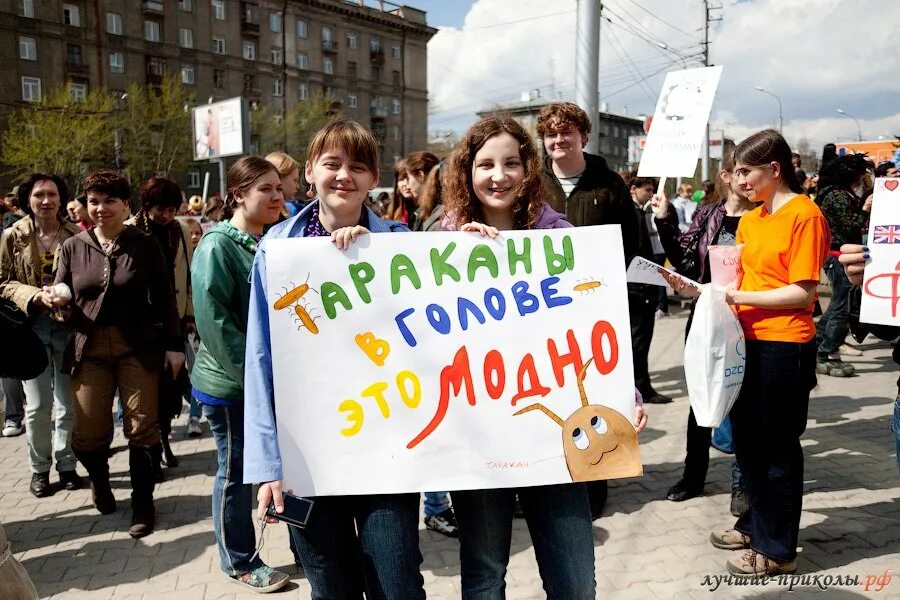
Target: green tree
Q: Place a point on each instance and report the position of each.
(293, 132)
(156, 130)
(61, 135)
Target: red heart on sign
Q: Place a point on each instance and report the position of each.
(891, 184)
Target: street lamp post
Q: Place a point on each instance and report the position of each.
(780, 112)
(858, 130)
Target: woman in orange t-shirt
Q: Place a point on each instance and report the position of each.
(786, 241)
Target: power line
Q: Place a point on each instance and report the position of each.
(661, 20)
(505, 23)
(614, 41)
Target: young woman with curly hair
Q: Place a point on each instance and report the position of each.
(494, 183)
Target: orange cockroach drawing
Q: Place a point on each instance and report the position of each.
(303, 313)
(598, 442)
(588, 286)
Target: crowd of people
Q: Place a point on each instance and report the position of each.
(152, 300)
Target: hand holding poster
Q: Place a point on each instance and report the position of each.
(444, 361)
(881, 292)
(646, 271)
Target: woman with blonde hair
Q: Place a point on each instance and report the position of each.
(289, 171)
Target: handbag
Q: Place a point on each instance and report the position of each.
(23, 354)
(690, 266)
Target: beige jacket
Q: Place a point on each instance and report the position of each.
(20, 268)
(183, 259)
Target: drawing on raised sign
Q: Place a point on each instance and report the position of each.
(598, 442)
(303, 317)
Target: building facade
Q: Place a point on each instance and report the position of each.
(370, 56)
(613, 129)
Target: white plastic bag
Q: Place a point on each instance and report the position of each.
(714, 357)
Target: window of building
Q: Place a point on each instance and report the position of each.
(277, 88)
(78, 91)
(186, 5)
(193, 179)
(327, 33)
(303, 61)
(218, 45)
(376, 73)
(275, 22)
(249, 50)
(277, 56)
(395, 132)
(156, 66)
(375, 44)
(395, 78)
(352, 101)
(187, 74)
(327, 65)
(218, 7)
(151, 31)
(615, 131)
(395, 106)
(395, 51)
(113, 23)
(73, 54)
(327, 92)
(31, 89)
(302, 29)
(26, 9)
(27, 48)
(251, 14)
(352, 41)
(219, 79)
(117, 62)
(303, 91)
(72, 15)
(351, 70)
(249, 82)
(186, 37)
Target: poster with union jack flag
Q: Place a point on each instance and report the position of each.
(881, 278)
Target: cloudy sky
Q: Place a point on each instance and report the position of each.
(816, 55)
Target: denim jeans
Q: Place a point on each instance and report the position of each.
(722, 438)
(436, 503)
(195, 409)
(13, 399)
(559, 521)
(232, 499)
(48, 397)
(768, 419)
(356, 544)
(895, 426)
(835, 323)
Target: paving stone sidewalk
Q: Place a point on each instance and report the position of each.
(646, 546)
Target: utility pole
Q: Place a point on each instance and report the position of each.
(704, 161)
(587, 65)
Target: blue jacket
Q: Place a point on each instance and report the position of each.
(262, 458)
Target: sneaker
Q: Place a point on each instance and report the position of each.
(847, 350)
(740, 502)
(40, 485)
(70, 480)
(193, 428)
(12, 429)
(834, 368)
(683, 490)
(730, 539)
(444, 522)
(262, 580)
(752, 562)
(661, 314)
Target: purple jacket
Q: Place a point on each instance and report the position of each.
(675, 243)
(547, 219)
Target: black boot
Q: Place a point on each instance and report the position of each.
(97, 465)
(169, 459)
(157, 456)
(143, 513)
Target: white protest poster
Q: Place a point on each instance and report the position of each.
(881, 284)
(646, 271)
(447, 361)
(679, 123)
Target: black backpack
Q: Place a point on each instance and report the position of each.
(22, 355)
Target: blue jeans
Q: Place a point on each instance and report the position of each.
(436, 503)
(895, 426)
(232, 499)
(834, 325)
(195, 410)
(768, 419)
(356, 544)
(559, 521)
(14, 400)
(48, 397)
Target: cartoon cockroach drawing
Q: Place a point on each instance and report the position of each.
(588, 286)
(598, 442)
(306, 319)
(292, 296)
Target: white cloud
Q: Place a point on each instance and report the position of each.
(816, 55)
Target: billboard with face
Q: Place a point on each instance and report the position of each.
(221, 129)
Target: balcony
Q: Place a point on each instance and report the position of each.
(377, 57)
(154, 80)
(329, 46)
(76, 68)
(378, 112)
(153, 7)
(249, 28)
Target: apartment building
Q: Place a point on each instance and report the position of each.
(369, 55)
